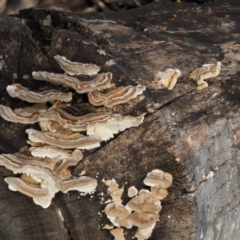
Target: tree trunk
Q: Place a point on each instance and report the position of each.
(188, 133)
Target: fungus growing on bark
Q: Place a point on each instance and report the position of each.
(132, 191)
(12, 116)
(103, 124)
(142, 210)
(158, 178)
(102, 81)
(44, 166)
(145, 202)
(118, 234)
(80, 142)
(50, 177)
(18, 91)
(144, 233)
(109, 98)
(54, 152)
(75, 68)
(116, 211)
(166, 79)
(114, 191)
(160, 193)
(143, 219)
(205, 72)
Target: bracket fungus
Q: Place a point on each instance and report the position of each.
(44, 166)
(12, 116)
(18, 91)
(101, 81)
(75, 68)
(47, 176)
(166, 79)
(115, 96)
(205, 72)
(70, 141)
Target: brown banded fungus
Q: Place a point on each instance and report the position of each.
(80, 142)
(115, 96)
(103, 80)
(75, 68)
(18, 91)
(12, 116)
(205, 72)
(103, 125)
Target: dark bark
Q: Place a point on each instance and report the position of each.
(199, 128)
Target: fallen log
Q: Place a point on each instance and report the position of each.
(193, 135)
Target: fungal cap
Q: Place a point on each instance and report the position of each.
(158, 178)
(144, 233)
(205, 72)
(116, 210)
(118, 234)
(101, 81)
(82, 142)
(9, 115)
(132, 191)
(166, 79)
(143, 219)
(81, 184)
(116, 96)
(106, 130)
(41, 196)
(145, 202)
(18, 91)
(54, 152)
(75, 68)
(160, 193)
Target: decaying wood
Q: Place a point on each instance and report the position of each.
(194, 135)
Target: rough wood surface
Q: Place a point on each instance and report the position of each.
(199, 129)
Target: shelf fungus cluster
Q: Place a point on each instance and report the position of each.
(65, 129)
(143, 209)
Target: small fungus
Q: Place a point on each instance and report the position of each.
(132, 192)
(115, 96)
(144, 233)
(116, 210)
(145, 202)
(143, 220)
(17, 90)
(160, 193)
(118, 234)
(114, 191)
(205, 72)
(166, 79)
(158, 178)
(75, 68)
